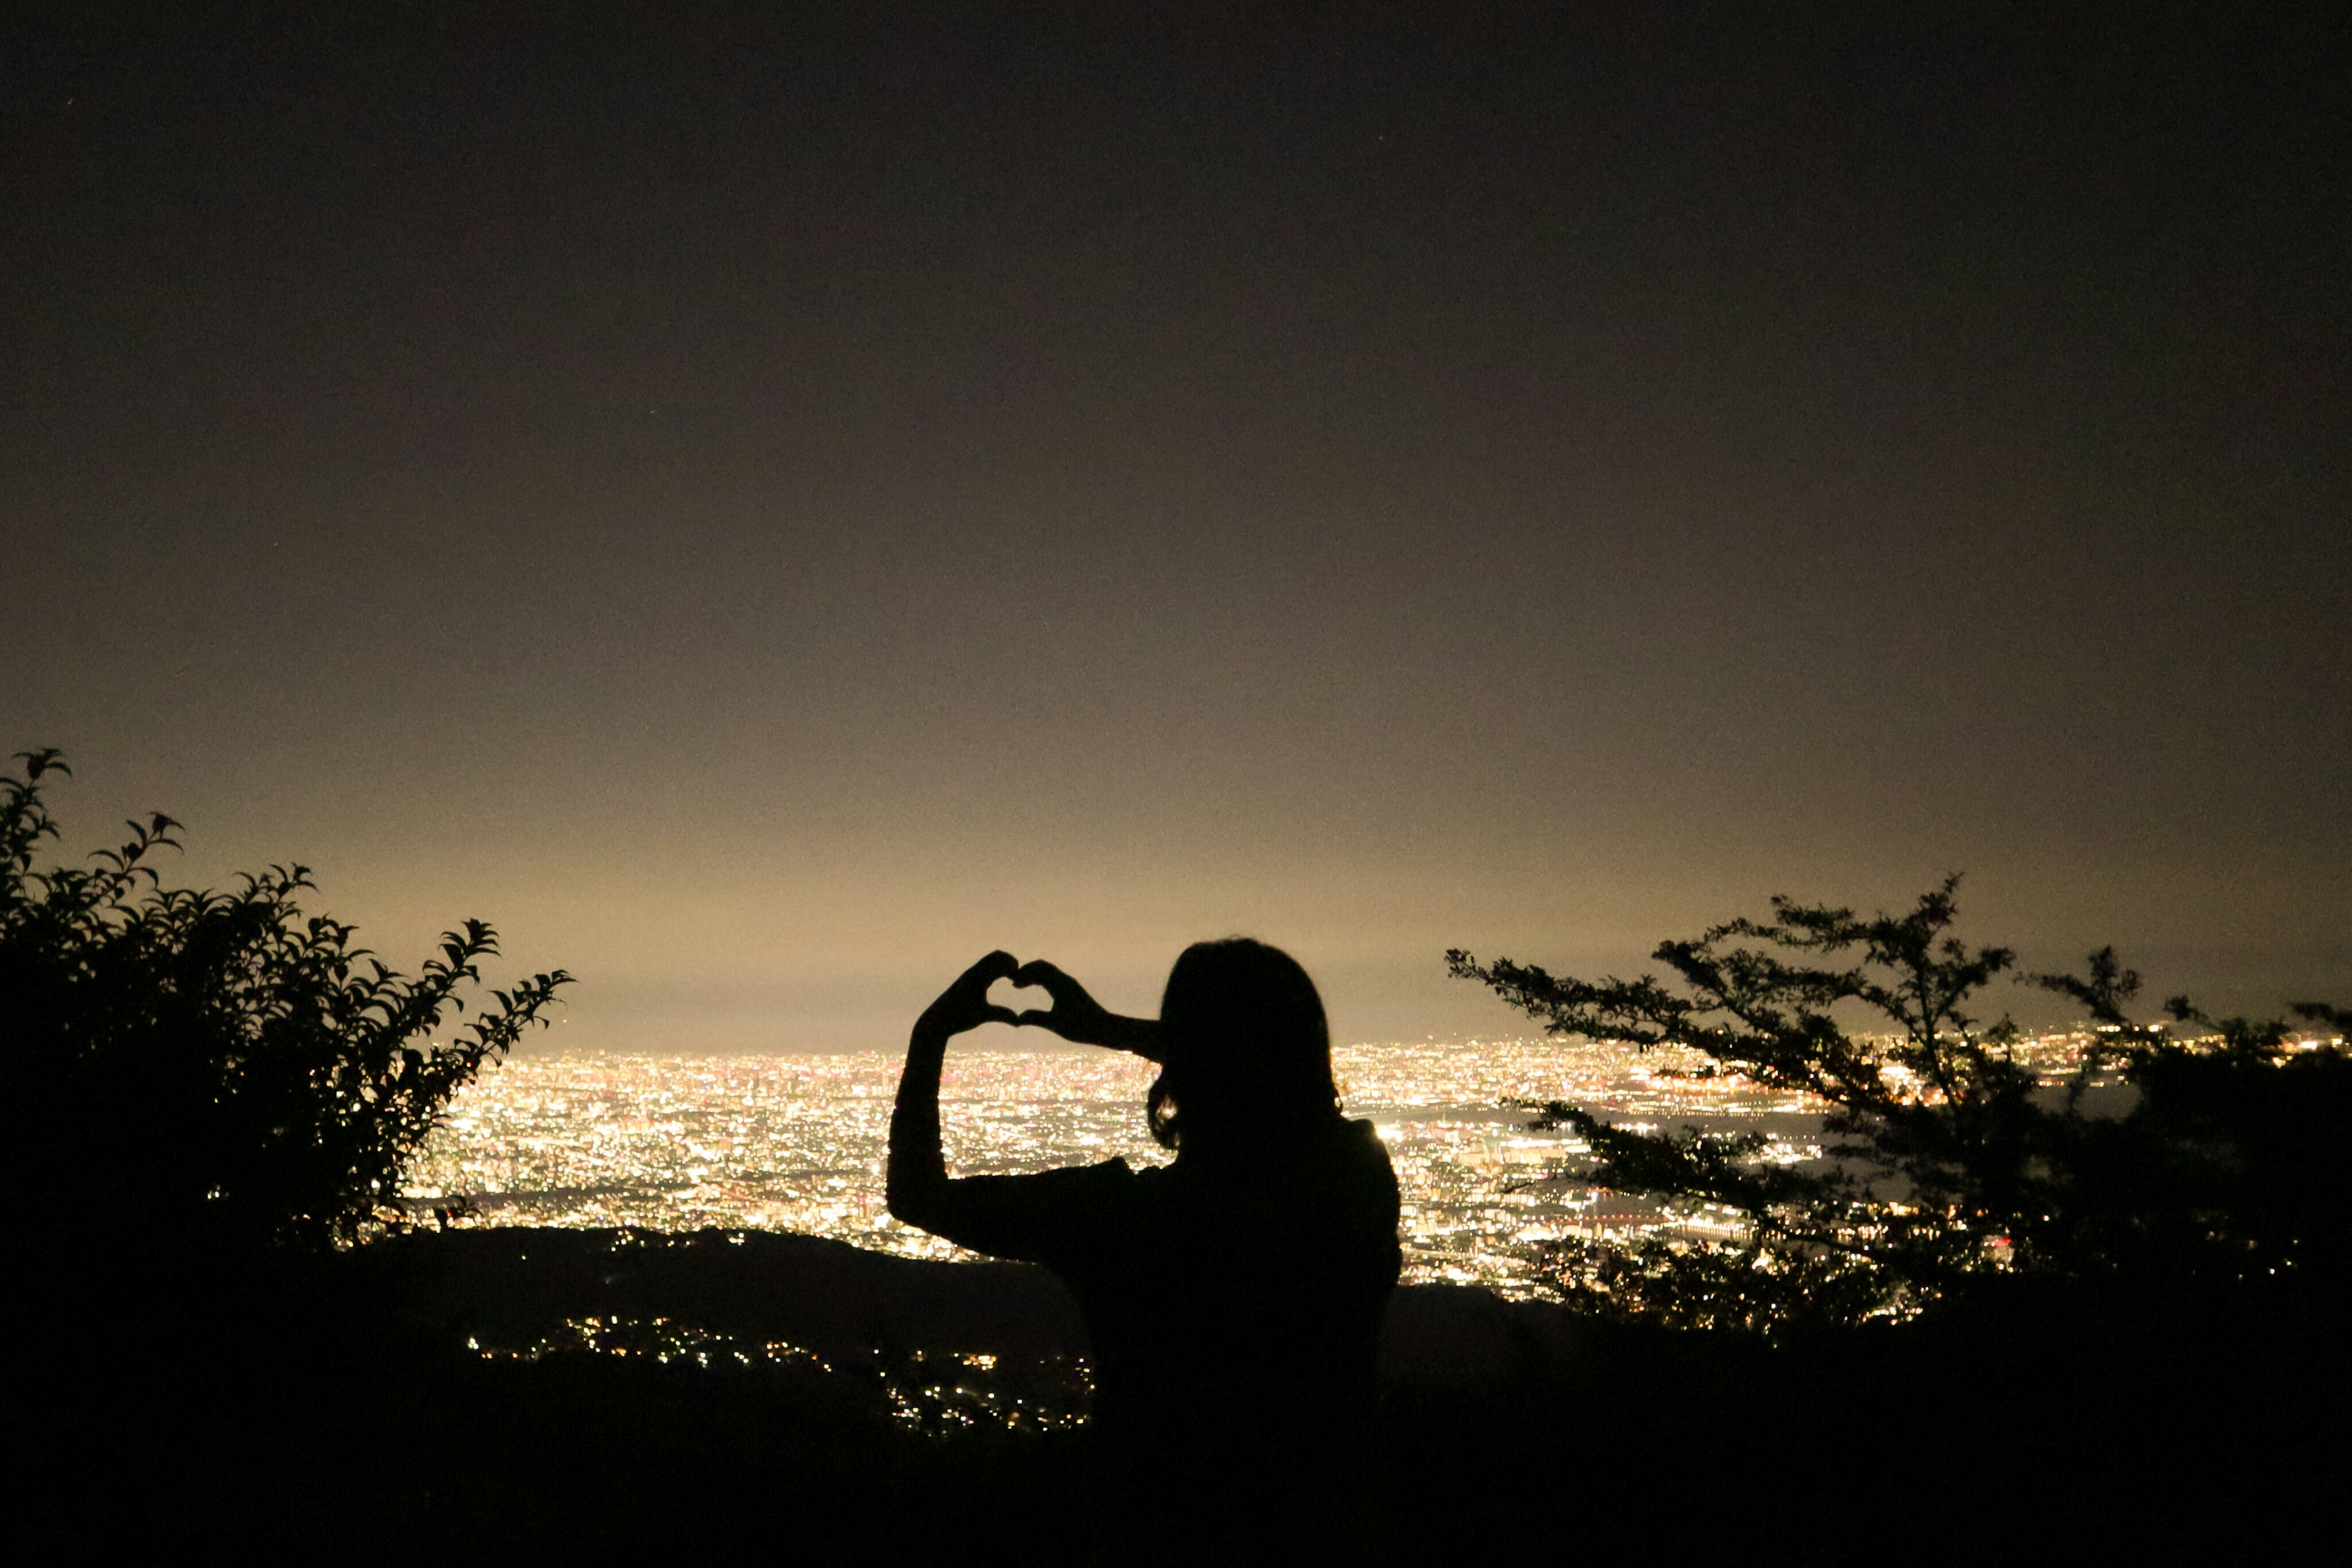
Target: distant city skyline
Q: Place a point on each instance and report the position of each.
(795, 1142)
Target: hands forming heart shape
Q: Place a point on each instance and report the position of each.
(1073, 1013)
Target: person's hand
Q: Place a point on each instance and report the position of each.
(965, 1004)
(1075, 1016)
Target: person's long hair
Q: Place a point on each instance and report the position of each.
(1249, 1052)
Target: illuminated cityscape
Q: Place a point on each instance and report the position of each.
(797, 1142)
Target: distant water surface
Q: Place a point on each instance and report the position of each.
(797, 1142)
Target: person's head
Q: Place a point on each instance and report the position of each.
(1248, 1051)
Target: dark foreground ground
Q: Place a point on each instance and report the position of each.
(543, 1395)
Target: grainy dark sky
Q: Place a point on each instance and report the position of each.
(764, 512)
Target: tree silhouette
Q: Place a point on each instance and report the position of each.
(218, 1071)
(1951, 1163)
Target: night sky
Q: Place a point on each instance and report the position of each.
(764, 512)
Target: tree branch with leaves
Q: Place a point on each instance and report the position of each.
(1947, 1160)
(219, 1070)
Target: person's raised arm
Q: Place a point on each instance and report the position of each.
(916, 1185)
(1077, 1017)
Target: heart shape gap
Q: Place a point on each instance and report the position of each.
(1020, 998)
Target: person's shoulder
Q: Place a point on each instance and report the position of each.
(1361, 1140)
(1110, 1182)
(1113, 1172)
(1097, 1204)
(1363, 1158)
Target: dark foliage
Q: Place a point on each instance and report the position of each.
(1953, 1165)
(2072, 1422)
(217, 1073)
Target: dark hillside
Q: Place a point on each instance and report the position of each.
(640, 1394)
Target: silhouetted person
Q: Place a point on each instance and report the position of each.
(1235, 1296)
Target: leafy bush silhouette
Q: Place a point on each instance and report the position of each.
(1953, 1167)
(218, 1074)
